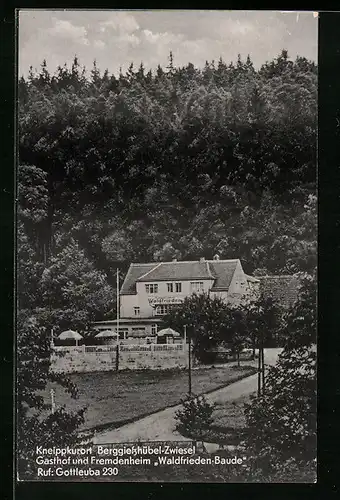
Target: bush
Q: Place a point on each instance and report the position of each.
(195, 417)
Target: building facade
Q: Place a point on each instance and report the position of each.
(150, 290)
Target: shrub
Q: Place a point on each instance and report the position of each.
(195, 417)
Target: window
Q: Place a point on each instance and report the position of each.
(170, 287)
(178, 287)
(123, 333)
(138, 329)
(154, 329)
(152, 288)
(162, 309)
(137, 311)
(196, 286)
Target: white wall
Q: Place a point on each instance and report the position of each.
(141, 299)
(127, 304)
(238, 286)
(163, 288)
(77, 362)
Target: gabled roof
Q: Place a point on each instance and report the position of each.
(184, 270)
(221, 271)
(284, 288)
(135, 271)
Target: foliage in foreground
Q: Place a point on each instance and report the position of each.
(280, 436)
(282, 422)
(37, 425)
(195, 416)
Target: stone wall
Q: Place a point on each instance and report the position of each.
(80, 362)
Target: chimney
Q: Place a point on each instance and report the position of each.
(202, 259)
(216, 257)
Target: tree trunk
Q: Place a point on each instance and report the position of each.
(238, 358)
(263, 373)
(254, 346)
(259, 374)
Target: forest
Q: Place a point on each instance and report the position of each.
(144, 166)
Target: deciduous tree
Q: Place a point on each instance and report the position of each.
(205, 318)
(282, 422)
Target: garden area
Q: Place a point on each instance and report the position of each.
(116, 398)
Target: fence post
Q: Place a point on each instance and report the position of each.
(83, 348)
(117, 357)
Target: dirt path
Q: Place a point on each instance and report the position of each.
(160, 426)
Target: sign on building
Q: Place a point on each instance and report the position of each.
(164, 300)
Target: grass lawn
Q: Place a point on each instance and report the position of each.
(230, 414)
(119, 397)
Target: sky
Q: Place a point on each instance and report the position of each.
(116, 38)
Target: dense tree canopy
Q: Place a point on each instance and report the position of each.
(179, 162)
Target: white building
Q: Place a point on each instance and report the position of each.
(150, 290)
